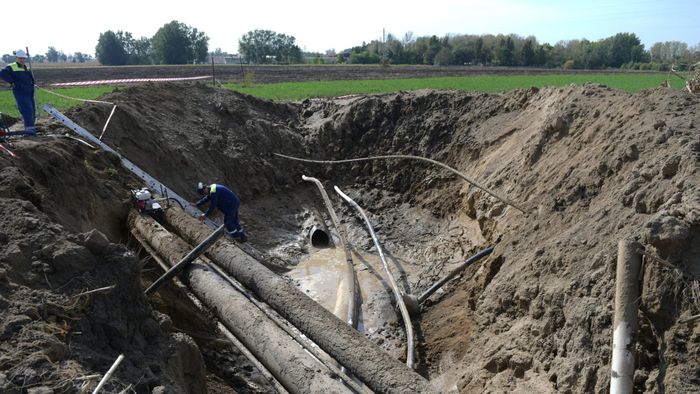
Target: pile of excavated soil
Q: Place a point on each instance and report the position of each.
(60, 202)
(590, 165)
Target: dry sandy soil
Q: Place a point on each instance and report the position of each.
(590, 165)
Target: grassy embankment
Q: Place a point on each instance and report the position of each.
(300, 90)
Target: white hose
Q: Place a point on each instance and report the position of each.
(484, 188)
(394, 287)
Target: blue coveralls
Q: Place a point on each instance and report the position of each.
(228, 203)
(22, 81)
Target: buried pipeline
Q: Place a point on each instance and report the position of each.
(365, 360)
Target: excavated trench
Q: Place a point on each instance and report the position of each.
(589, 166)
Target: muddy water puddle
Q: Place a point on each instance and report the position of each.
(324, 276)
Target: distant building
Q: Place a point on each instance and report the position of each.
(325, 58)
(227, 59)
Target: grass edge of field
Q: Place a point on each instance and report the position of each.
(295, 91)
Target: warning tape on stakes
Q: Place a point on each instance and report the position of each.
(132, 80)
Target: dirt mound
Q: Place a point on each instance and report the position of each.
(590, 165)
(55, 333)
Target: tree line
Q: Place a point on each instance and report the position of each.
(53, 56)
(178, 43)
(174, 43)
(623, 50)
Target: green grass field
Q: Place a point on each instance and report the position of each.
(301, 90)
(8, 106)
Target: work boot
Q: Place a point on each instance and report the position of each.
(243, 237)
(30, 131)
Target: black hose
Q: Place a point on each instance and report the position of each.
(177, 201)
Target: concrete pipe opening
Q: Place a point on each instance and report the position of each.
(319, 237)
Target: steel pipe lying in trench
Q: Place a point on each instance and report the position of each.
(379, 371)
(291, 365)
(413, 302)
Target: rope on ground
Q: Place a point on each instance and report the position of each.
(75, 98)
(484, 188)
(114, 108)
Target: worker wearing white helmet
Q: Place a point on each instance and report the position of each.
(227, 201)
(19, 75)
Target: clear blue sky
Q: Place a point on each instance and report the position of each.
(75, 25)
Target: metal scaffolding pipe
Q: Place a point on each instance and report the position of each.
(379, 371)
(191, 256)
(292, 366)
(629, 262)
(397, 294)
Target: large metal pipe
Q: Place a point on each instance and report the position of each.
(352, 292)
(629, 262)
(291, 365)
(318, 236)
(200, 306)
(379, 371)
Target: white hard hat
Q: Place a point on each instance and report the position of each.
(20, 53)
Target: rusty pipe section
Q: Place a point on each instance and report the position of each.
(291, 365)
(379, 371)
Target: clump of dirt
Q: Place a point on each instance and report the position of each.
(590, 165)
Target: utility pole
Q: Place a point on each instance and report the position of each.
(383, 46)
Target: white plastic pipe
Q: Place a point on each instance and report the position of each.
(109, 373)
(397, 293)
(629, 262)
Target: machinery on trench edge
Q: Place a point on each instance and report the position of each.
(144, 203)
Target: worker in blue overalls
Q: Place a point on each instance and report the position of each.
(19, 75)
(219, 196)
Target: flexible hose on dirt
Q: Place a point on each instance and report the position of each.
(453, 273)
(484, 188)
(177, 201)
(399, 297)
(352, 309)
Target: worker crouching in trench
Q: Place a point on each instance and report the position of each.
(223, 198)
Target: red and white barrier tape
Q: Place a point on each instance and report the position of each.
(119, 81)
